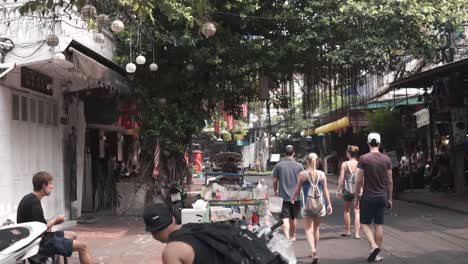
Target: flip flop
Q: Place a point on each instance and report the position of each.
(373, 255)
(345, 235)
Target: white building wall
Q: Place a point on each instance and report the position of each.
(6, 181)
(29, 147)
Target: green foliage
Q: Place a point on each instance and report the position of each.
(253, 38)
(388, 124)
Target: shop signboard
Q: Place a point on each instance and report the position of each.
(36, 81)
(422, 117)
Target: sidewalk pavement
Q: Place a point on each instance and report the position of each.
(447, 201)
(118, 240)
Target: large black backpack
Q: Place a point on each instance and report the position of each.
(234, 244)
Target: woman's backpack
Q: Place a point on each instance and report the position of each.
(350, 183)
(314, 205)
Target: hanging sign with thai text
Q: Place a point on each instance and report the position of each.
(422, 117)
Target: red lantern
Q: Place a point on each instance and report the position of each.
(216, 127)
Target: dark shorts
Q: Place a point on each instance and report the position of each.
(372, 209)
(290, 210)
(348, 197)
(55, 243)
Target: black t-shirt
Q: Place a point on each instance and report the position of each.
(204, 254)
(30, 210)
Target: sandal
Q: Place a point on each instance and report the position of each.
(373, 255)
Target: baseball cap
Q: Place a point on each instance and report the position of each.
(289, 148)
(373, 136)
(157, 217)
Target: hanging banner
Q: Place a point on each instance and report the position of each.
(422, 117)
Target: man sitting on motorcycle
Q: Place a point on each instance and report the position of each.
(53, 243)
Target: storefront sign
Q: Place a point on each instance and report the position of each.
(422, 118)
(36, 81)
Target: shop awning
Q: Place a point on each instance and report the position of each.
(340, 123)
(426, 78)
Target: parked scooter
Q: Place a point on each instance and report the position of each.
(19, 242)
(277, 242)
(178, 196)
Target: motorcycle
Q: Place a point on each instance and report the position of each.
(277, 242)
(19, 242)
(178, 196)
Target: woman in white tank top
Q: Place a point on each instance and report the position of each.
(346, 186)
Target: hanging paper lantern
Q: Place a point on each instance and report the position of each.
(141, 60)
(102, 20)
(190, 67)
(99, 38)
(208, 29)
(117, 26)
(153, 67)
(52, 40)
(130, 68)
(88, 12)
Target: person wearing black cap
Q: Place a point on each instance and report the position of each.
(375, 176)
(285, 175)
(203, 243)
(160, 222)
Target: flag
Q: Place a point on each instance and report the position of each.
(157, 156)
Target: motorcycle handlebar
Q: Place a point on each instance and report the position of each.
(278, 224)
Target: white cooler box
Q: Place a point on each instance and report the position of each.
(190, 215)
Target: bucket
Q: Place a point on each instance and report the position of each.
(275, 204)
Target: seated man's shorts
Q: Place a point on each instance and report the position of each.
(55, 243)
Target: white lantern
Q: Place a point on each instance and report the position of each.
(52, 40)
(162, 101)
(141, 60)
(130, 68)
(59, 56)
(117, 26)
(99, 38)
(102, 19)
(190, 67)
(153, 67)
(88, 12)
(208, 29)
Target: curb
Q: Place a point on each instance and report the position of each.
(397, 197)
(432, 205)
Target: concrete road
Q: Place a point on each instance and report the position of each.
(413, 234)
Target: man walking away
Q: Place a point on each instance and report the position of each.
(285, 175)
(375, 176)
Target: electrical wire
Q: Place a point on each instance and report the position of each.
(32, 54)
(262, 17)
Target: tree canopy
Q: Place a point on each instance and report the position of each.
(329, 42)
